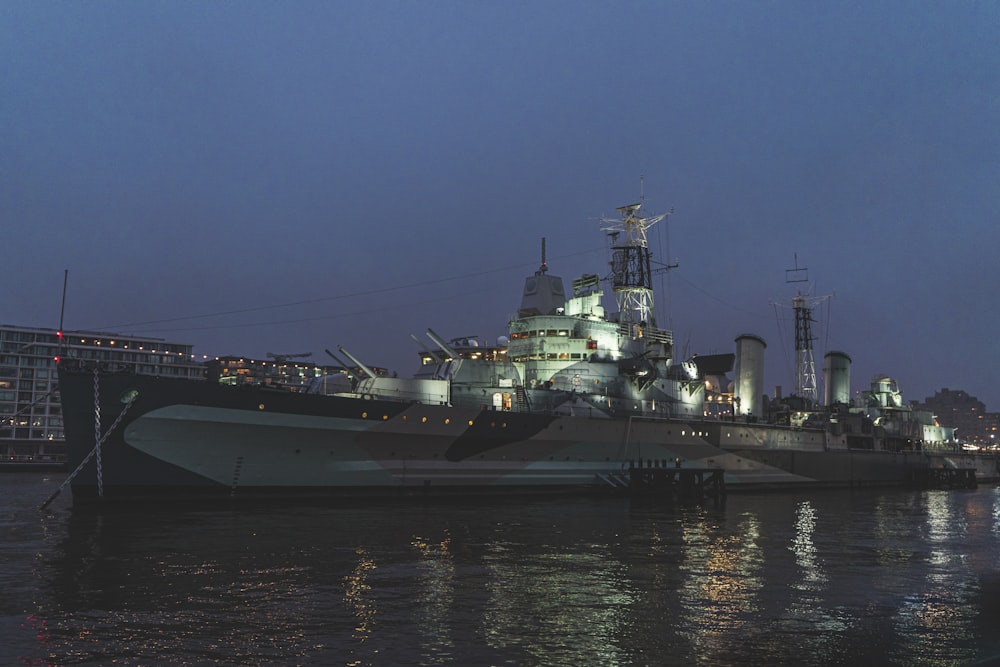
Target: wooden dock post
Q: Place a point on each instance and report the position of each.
(678, 484)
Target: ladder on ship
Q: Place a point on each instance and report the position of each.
(522, 399)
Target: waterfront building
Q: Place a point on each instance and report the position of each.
(967, 414)
(282, 371)
(31, 428)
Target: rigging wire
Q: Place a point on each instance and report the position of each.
(337, 297)
(826, 327)
(667, 298)
(318, 318)
(717, 299)
(781, 341)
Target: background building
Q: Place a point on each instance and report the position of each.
(281, 371)
(31, 426)
(967, 414)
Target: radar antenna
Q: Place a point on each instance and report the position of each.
(631, 267)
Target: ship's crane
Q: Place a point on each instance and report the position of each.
(283, 358)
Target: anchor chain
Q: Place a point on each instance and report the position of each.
(97, 432)
(97, 447)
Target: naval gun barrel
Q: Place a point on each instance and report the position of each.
(346, 367)
(364, 369)
(443, 345)
(436, 355)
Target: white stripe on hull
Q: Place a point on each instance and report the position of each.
(246, 449)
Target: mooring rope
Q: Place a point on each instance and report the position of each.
(97, 447)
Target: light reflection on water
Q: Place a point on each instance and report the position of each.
(887, 577)
(539, 606)
(435, 596)
(806, 611)
(937, 617)
(358, 598)
(721, 581)
(811, 575)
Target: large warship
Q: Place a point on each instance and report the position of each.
(571, 399)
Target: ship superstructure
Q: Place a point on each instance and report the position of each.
(564, 355)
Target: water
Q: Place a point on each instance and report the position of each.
(824, 578)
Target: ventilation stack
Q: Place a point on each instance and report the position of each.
(748, 388)
(837, 370)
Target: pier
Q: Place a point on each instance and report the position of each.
(943, 478)
(685, 485)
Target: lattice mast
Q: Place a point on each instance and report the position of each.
(631, 265)
(805, 362)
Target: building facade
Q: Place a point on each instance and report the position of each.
(967, 414)
(287, 374)
(31, 427)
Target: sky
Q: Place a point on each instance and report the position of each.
(253, 177)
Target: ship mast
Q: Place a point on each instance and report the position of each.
(805, 380)
(805, 362)
(631, 268)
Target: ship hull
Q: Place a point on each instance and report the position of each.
(186, 439)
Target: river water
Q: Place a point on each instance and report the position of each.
(889, 577)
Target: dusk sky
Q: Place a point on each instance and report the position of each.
(254, 177)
